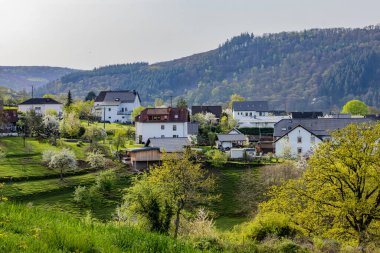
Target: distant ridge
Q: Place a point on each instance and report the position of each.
(316, 69)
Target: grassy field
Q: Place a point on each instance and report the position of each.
(28, 180)
(29, 229)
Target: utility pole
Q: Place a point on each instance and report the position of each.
(32, 91)
(171, 101)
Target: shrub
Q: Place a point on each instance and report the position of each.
(270, 224)
(217, 157)
(87, 197)
(47, 155)
(96, 160)
(105, 181)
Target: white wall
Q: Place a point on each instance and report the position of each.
(113, 112)
(261, 121)
(41, 108)
(306, 142)
(150, 130)
(241, 115)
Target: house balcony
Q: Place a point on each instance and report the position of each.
(124, 112)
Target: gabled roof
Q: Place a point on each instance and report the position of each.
(291, 130)
(40, 101)
(258, 106)
(168, 144)
(121, 96)
(231, 137)
(319, 127)
(214, 109)
(154, 115)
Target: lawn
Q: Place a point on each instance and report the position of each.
(227, 209)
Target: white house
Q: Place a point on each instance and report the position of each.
(261, 121)
(40, 105)
(116, 106)
(233, 139)
(300, 136)
(161, 123)
(297, 142)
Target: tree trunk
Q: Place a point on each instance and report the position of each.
(61, 174)
(362, 240)
(177, 223)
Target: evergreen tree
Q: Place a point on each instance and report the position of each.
(69, 99)
(90, 96)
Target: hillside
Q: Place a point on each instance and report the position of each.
(313, 69)
(23, 77)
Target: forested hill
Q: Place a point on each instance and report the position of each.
(23, 77)
(313, 69)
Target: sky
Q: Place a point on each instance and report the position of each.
(90, 33)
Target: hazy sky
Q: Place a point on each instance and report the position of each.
(90, 33)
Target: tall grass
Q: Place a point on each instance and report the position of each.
(30, 229)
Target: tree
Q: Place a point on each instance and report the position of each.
(355, 107)
(178, 183)
(33, 122)
(70, 125)
(181, 103)
(235, 98)
(90, 96)
(69, 99)
(119, 140)
(50, 127)
(96, 160)
(95, 134)
(339, 193)
(136, 111)
(63, 160)
(217, 157)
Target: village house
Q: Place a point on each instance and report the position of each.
(41, 105)
(162, 123)
(214, 109)
(299, 136)
(143, 158)
(233, 139)
(256, 114)
(116, 106)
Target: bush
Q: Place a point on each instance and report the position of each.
(270, 224)
(87, 197)
(105, 181)
(217, 157)
(47, 155)
(96, 160)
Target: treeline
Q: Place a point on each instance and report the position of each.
(313, 69)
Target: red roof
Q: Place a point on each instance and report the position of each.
(163, 115)
(10, 116)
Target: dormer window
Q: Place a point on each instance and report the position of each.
(117, 99)
(176, 116)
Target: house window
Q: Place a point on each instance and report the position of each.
(299, 151)
(250, 114)
(109, 109)
(162, 136)
(246, 114)
(176, 116)
(312, 139)
(162, 127)
(299, 139)
(260, 114)
(109, 117)
(174, 127)
(175, 136)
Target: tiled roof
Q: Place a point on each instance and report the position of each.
(152, 115)
(168, 144)
(39, 101)
(319, 126)
(214, 109)
(231, 137)
(123, 96)
(251, 106)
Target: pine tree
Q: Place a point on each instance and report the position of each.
(69, 99)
